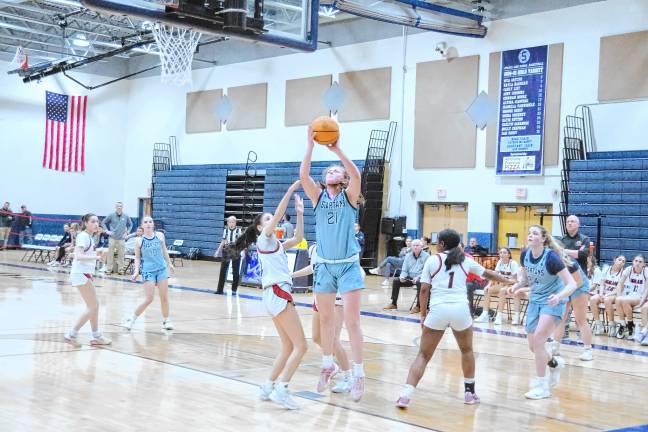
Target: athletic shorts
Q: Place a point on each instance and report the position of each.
(276, 297)
(155, 276)
(534, 311)
(338, 302)
(579, 292)
(454, 315)
(78, 279)
(337, 278)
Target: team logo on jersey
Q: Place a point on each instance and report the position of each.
(579, 243)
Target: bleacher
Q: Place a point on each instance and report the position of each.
(614, 184)
(190, 199)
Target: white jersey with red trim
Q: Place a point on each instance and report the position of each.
(635, 282)
(448, 286)
(609, 281)
(511, 268)
(274, 262)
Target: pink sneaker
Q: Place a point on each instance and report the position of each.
(471, 398)
(101, 340)
(357, 388)
(403, 402)
(325, 377)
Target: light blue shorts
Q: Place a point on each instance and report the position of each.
(156, 276)
(579, 292)
(334, 278)
(534, 311)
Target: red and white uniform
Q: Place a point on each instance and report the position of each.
(635, 282)
(448, 292)
(275, 274)
(82, 271)
(509, 269)
(609, 281)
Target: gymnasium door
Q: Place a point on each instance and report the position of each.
(513, 224)
(438, 216)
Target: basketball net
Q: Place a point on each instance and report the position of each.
(20, 60)
(177, 46)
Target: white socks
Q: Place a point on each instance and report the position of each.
(358, 370)
(407, 390)
(327, 361)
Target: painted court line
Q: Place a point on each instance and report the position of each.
(608, 348)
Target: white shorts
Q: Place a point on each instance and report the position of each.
(78, 279)
(274, 304)
(454, 315)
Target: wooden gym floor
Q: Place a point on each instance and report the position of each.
(203, 376)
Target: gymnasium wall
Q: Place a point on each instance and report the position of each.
(22, 123)
(579, 28)
(127, 118)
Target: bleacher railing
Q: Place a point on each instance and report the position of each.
(578, 142)
(381, 143)
(165, 156)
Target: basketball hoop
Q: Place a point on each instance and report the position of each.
(20, 60)
(177, 46)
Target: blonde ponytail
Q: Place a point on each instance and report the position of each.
(554, 245)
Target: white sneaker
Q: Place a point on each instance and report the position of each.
(101, 340)
(598, 327)
(539, 389)
(554, 373)
(612, 329)
(167, 325)
(342, 386)
(385, 283)
(68, 336)
(516, 319)
(644, 339)
(587, 355)
(638, 334)
(128, 323)
(375, 271)
(53, 263)
(498, 319)
(483, 318)
(265, 390)
(283, 398)
(357, 388)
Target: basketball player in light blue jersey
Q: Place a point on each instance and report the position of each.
(545, 272)
(338, 262)
(579, 301)
(152, 255)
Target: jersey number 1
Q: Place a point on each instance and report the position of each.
(451, 279)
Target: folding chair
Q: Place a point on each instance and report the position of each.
(175, 254)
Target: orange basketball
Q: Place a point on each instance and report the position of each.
(326, 130)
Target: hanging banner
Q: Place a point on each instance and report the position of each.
(520, 143)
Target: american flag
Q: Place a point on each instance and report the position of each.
(65, 122)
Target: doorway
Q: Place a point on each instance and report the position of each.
(513, 222)
(439, 216)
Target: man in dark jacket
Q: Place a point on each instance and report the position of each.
(24, 226)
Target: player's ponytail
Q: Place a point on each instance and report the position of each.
(249, 236)
(450, 239)
(554, 245)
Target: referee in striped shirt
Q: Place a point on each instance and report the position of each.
(230, 233)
